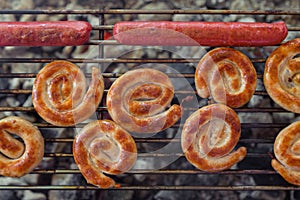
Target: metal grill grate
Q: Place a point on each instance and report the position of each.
(163, 172)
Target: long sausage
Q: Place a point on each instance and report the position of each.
(46, 33)
(168, 33)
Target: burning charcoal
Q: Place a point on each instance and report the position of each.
(10, 194)
(142, 164)
(168, 195)
(284, 117)
(152, 6)
(217, 4)
(267, 195)
(27, 18)
(116, 195)
(179, 4)
(31, 179)
(190, 195)
(70, 179)
(183, 17)
(246, 19)
(12, 102)
(295, 195)
(33, 195)
(258, 117)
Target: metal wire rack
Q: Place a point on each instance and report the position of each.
(162, 172)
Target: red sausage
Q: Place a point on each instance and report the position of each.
(58, 33)
(200, 33)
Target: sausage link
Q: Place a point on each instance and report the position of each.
(200, 33)
(46, 33)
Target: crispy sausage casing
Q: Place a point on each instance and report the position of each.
(19, 158)
(282, 75)
(44, 33)
(200, 33)
(59, 93)
(103, 146)
(137, 101)
(286, 150)
(208, 137)
(227, 75)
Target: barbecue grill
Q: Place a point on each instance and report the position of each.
(256, 163)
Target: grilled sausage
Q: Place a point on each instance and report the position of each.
(59, 93)
(286, 150)
(200, 33)
(137, 101)
(59, 33)
(209, 136)
(19, 159)
(103, 146)
(281, 75)
(227, 75)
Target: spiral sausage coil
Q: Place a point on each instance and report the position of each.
(137, 101)
(226, 75)
(282, 75)
(208, 137)
(59, 93)
(19, 158)
(103, 147)
(287, 151)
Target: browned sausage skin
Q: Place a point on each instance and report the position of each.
(44, 33)
(281, 75)
(227, 75)
(137, 101)
(286, 150)
(60, 96)
(19, 158)
(208, 137)
(103, 146)
(200, 33)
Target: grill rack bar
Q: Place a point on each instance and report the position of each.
(111, 60)
(28, 91)
(104, 108)
(177, 155)
(115, 42)
(172, 140)
(135, 11)
(105, 75)
(110, 27)
(153, 187)
(158, 172)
